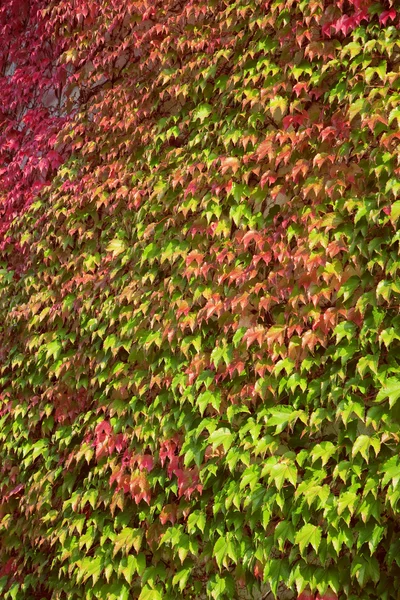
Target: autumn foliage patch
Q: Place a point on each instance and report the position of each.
(199, 299)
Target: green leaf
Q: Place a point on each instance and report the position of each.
(180, 578)
(276, 571)
(281, 417)
(217, 355)
(150, 252)
(347, 500)
(149, 594)
(356, 108)
(40, 448)
(280, 472)
(141, 564)
(202, 112)
(206, 398)
(391, 390)
(116, 247)
(220, 551)
(250, 477)
(221, 587)
(127, 539)
(365, 569)
(91, 567)
(278, 106)
(324, 451)
(362, 445)
(111, 341)
(391, 471)
(130, 568)
(54, 349)
(196, 519)
(240, 333)
(395, 208)
(222, 437)
(348, 288)
(352, 48)
(345, 329)
(384, 289)
(370, 361)
(284, 531)
(395, 114)
(344, 535)
(387, 336)
(308, 534)
(370, 533)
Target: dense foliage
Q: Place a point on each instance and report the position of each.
(199, 299)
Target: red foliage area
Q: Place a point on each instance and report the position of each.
(32, 106)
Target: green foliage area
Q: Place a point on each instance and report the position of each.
(200, 327)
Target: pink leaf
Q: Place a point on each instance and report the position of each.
(386, 15)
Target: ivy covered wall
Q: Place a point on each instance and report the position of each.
(199, 300)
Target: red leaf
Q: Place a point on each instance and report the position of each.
(140, 489)
(258, 570)
(103, 427)
(169, 513)
(387, 14)
(299, 87)
(329, 595)
(254, 334)
(146, 462)
(15, 491)
(306, 595)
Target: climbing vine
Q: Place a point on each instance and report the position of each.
(199, 299)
